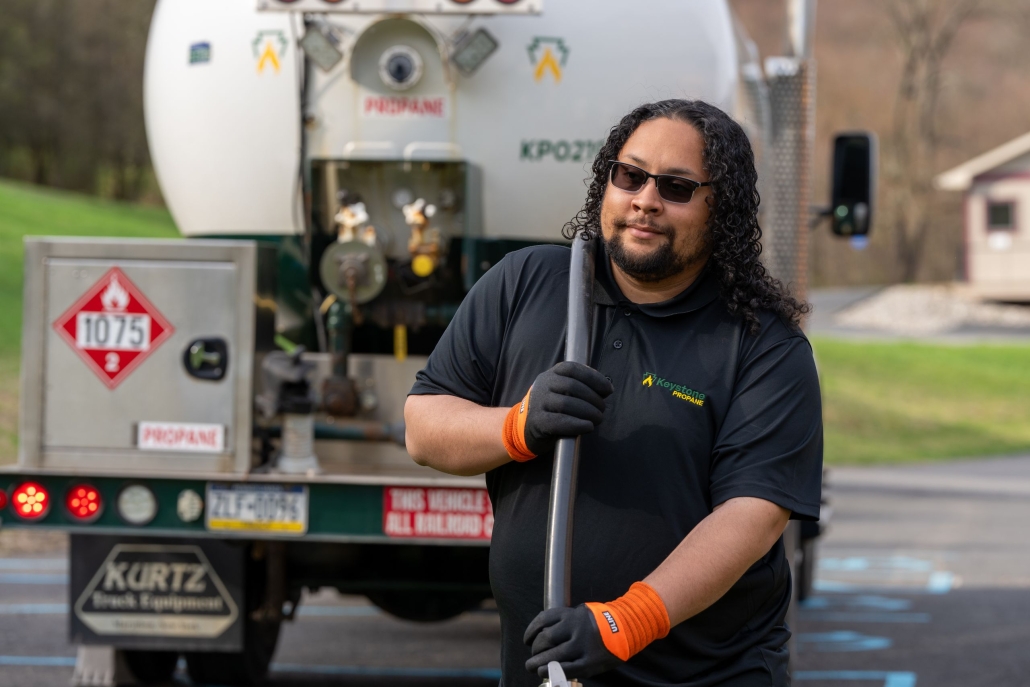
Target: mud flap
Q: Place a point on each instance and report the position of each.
(164, 594)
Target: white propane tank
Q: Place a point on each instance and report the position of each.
(221, 96)
(223, 107)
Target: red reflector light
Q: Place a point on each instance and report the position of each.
(3, 500)
(30, 501)
(83, 502)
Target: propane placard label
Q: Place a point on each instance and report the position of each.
(113, 327)
(437, 513)
(153, 591)
(181, 436)
(405, 107)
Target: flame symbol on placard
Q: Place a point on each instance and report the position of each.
(115, 297)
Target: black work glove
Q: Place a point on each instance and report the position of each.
(570, 637)
(565, 401)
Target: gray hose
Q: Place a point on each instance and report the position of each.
(558, 554)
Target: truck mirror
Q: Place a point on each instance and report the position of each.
(854, 183)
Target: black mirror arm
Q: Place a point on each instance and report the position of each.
(816, 215)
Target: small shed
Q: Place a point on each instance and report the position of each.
(997, 219)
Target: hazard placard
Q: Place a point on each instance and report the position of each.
(113, 327)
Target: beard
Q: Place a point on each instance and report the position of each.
(661, 262)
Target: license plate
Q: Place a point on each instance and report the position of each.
(257, 508)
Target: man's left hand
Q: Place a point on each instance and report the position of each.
(570, 637)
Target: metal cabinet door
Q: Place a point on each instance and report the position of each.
(87, 421)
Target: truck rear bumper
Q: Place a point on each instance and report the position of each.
(372, 507)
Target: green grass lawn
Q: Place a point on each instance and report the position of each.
(894, 402)
(30, 210)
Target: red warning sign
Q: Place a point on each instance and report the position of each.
(437, 513)
(113, 327)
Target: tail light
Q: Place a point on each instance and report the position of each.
(3, 500)
(84, 503)
(30, 501)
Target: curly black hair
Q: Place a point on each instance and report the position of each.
(735, 236)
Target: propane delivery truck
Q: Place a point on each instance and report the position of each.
(217, 421)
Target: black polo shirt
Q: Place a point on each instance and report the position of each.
(703, 411)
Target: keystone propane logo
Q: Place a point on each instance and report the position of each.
(157, 591)
(651, 380)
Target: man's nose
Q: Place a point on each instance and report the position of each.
(647, 199)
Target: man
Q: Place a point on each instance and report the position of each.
(700, 420)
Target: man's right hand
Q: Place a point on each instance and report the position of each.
(565, 401)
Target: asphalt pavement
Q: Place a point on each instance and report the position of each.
(923, 580)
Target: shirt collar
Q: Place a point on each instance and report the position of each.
(700, 293)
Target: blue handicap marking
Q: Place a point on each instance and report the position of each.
(885, 679)
(864, 601)
(855, 574)
(940, 582)
(843, 640)
(863, 608)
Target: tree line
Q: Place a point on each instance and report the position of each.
(71, 95)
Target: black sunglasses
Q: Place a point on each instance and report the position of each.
(670, 188)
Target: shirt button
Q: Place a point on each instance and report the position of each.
(608, 378)
(627, 312)
(617, 343)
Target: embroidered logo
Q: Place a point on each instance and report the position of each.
(679, 391)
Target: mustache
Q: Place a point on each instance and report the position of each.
(622, 224)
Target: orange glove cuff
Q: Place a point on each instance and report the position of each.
(632, 621)
(514, 432)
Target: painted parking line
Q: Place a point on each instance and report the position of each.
(842, 640)
(862, 608)
(33, 609)
(33, 564)
(876, 563)
(886, 679)
(859, 573)
(863, 601)
(302, 612)
(863, 617)
(485, 673)
(38, 661)
(337, 611)
(940, 582)
(32, 578)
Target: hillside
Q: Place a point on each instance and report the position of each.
(31, 210)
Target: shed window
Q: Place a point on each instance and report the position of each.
(1001, 216)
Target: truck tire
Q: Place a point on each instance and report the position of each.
(242, 668)
(250, 666)
(151, 667)
(425, 606)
